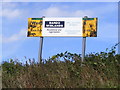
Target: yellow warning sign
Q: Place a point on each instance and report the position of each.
(34, 27)
(89, 27)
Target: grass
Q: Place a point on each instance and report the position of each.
(64, 70)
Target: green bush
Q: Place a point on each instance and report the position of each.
(65, 70)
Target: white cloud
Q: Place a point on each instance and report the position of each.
(9, 5)
(10, 10)
(9, 13)
(58, 12)
(15, 37)
(83, 13)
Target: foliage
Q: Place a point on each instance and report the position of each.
(65, 70)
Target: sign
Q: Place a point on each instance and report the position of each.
(54, 24)
(34, 27)
(62, 27)
(90, 27)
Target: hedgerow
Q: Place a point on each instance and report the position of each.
(65, 70)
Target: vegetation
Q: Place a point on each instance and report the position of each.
(65, 70)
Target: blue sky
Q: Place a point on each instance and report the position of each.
(16, 44)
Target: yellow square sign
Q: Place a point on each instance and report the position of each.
(89, 27)
(35, 27)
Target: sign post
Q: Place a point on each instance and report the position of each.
(62, 27)
(40, 50)
(83, 48)
(83, 43)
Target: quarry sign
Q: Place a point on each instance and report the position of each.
(62, 27)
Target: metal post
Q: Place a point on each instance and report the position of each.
(83, 45)
(83, 48)
(40, 50)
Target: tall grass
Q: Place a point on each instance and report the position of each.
(64, 70)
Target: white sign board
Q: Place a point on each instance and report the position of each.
(62, 27)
